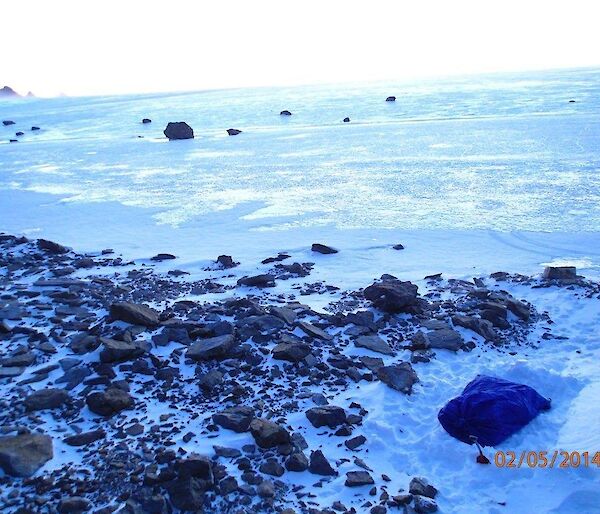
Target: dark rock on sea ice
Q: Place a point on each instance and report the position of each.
(13, 140)
(235, 418)
(358, 478)
(197, 466)
(422, 487)
(324, 249)
(297, 461)
(178, 130)
(19, 134)
(34, 128)
(444, 338)
(187, 494)
(268, 434)
(109, 402)
(135, 314)
(85, 438)
(264, 280)
(51, 247)
(560, 273)
(398, 247)
(74, 505)
(390, 99)
(291, 351)
(146, 120)
(400, 377)
(163, 257)
(50, 398)
(226, 261)
(355, 442)
(346, 120)
(424, 505)
(326, 415)
(212, 348)
(374, 343)
(22, 455)
(480, 326)
(119, 351)
(392, 295)
(319, 465)
(6, 123)
(285, 113)
(233, 132)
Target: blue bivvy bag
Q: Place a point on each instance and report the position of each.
(491, 409)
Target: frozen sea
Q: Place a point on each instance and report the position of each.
(473, 175)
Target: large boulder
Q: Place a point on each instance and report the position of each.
(329, 415)
(264, 280)
(374, 343)
(392, 295)
(50, 398)
(358, 479)
(51, 247)
(324, 249)
(560, 273)
(22, 455)
(444, 338)
(319, 465)
(109, 402)
(400, 377)
(235, 418)
(134, 314)
(291, 351)
(119, 351)
(212, 348)
(178, 130)
(268, 434)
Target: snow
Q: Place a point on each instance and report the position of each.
(472, 176)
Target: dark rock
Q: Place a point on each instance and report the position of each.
(421, 486)
(480, 326)
(296, 462)
(329, 415)
(390, 99)
(50, 398)
(74, 505)
(119, 351)
(34, 128)
(375, 344)
(187, 493)
(398, 247)
(358, 478)
(266, 489)
(109, 402)
(6, 123)
(285, 113)
(346, 120)
(212, 348)
(51, 247)
(163, 257)
(518, 308)
(392, 295)
(264, 280)
(324, 249)
(400, 377)
(226, 261)
(560, 273)
(424, 505)
(233, 132)
(235, 418)
(314, 331)
(85, 438)
(197, 466)
(445, 338)
(292, 351)
(22, 455)
(268, 434)
(355, 442)
(146, 120)
(19, 134)
(319, 465)
(178, 130)
(134, 314)
(272, 467)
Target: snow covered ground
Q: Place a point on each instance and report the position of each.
(473, 176)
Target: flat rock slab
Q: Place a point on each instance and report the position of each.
(400, 377)
(22, 455)
(50, 398)
(212, 348)
(134, 314)
(326, 415)
(375, 344)
(358, 478)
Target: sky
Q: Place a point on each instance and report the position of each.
(84, 47)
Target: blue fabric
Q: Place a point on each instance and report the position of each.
(491, 409)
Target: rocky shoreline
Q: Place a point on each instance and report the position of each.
(112, 365)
